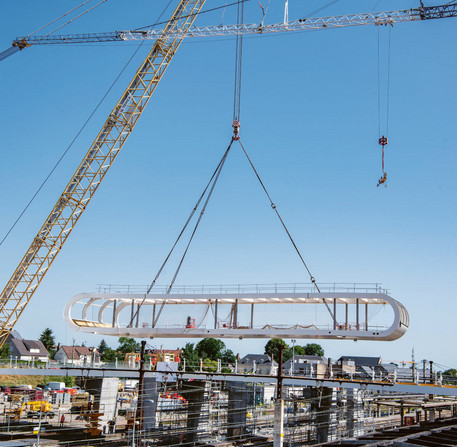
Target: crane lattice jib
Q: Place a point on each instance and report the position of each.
(82, 186)
(307, 24)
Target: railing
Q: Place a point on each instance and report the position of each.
(247, 288)
(279, 326)
(416, 377)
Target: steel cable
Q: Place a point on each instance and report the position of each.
(210, 184)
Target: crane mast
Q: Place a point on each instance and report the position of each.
(305, 24)
(93, 168)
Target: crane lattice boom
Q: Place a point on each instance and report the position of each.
(94, 166)
(308, 24)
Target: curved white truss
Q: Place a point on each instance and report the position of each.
(108, 309)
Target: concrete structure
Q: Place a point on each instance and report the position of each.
(194, 392)
(324, 408)
(105, 398)
(238, 401)
(354, 413)
(150, 399)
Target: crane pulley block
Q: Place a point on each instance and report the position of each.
(236, 130)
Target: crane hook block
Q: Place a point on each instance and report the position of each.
(383, 141)
(236, 129)
(382, 180)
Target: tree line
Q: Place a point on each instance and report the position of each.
(208, 350)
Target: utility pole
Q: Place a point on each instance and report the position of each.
(278, 436)
(139, 405)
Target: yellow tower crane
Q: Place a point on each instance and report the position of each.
(91, 171)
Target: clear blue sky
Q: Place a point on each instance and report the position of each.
(309, 120)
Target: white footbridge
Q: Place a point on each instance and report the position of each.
(346, 311)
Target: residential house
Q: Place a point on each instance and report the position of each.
(306, 365)
(257, 364)
(368, 367)
(26, 350)
(77, 355)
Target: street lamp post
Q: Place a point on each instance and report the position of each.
(135, 423)
(293, 355)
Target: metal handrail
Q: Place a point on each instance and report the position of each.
(246, 288)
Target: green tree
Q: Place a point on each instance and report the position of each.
(449, 376)
(272, 349)
(69, 381)
(314, 349)
(228, 357)
(190, 355)
(47, 338)
(5, 351)
(127, 345)
(109, 355)
(210, 348)
(102, 347)
(209, 365)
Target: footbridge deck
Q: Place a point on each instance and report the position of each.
(223, 313)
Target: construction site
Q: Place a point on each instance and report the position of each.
(142, 394)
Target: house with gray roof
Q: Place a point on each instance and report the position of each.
(306, 365)
(27, 350)
(257, 364)
(369, 367)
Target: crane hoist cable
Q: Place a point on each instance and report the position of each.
(212, 183)
(236, 137)
(238, 71)
(204, 11)
(64, 153)
(238, 64)
(77, 17)
(383, 139)
(60, 17)
(202, 212)
(208, 190)
(275, 209)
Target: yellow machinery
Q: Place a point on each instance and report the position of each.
(93, 168)
(81, 402)
(15, 413)
(35, 405)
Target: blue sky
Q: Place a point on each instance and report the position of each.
(310, 123)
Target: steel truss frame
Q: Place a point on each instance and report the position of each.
(305, 24)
